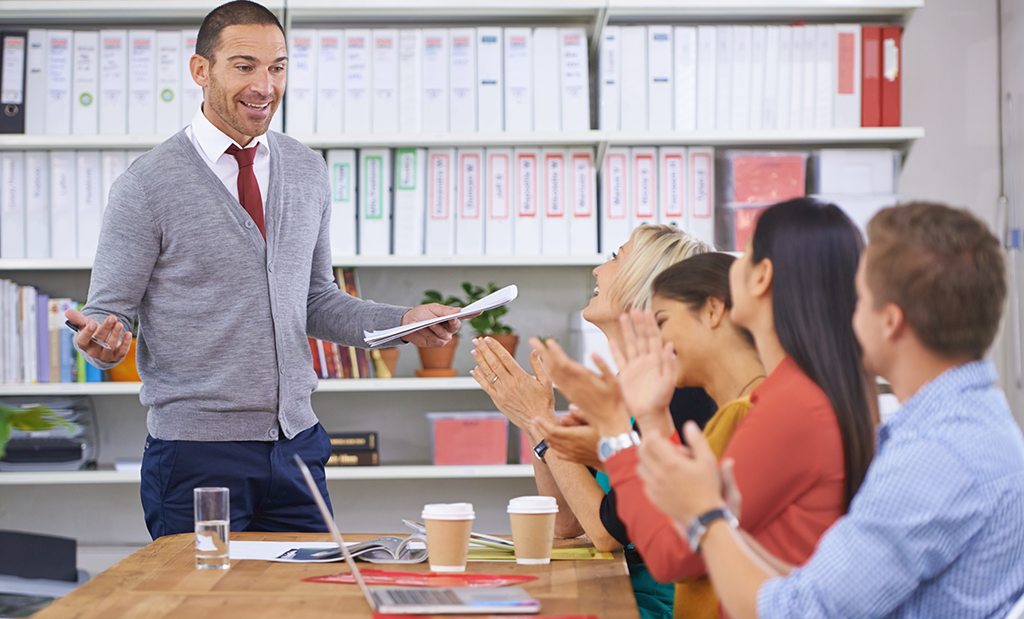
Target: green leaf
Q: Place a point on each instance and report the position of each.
(28, 420)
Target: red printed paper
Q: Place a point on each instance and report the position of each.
(376, 578)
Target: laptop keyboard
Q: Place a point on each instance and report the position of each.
(419, 597)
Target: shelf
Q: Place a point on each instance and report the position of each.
(74, 13)
(76, 264)
(794, 137)
(634, 10)
(365, 385)
(849, 137)
(468, 261)
(461, 10)
(368, 473)
(496, 138)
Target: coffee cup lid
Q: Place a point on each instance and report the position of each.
(533, 505)
(448, 511)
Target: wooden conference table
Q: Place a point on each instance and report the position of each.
(160, 581)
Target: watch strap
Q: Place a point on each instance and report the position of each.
(698, 527)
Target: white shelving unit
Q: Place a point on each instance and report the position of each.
(360, 261)
(900, 137)
(112, 11)
(752, 9)
(356, 473)
(363, 385)
(403, 273)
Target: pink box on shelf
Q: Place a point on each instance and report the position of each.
(525, 448)
(469, 438)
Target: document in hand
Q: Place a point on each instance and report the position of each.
(495, 299)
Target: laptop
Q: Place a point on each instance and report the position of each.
(421, 600)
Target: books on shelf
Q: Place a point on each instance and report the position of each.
(36, 345)
(749, 77)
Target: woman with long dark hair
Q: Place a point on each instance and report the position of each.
(804, 446)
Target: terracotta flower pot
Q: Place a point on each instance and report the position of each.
(126, 371)
(390, 357)
(438, 361)
(509, 342)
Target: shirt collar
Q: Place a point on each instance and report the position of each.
(214, 142)
(932, 399)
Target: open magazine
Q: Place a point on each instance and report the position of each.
(384, 549)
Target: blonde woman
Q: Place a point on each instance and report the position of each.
(585, 505)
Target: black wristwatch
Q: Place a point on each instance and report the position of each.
(698, 527)
(540, 449)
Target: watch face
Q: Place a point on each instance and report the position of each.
(605, 449)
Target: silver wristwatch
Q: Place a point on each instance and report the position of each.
(698, 527)
(608, 446)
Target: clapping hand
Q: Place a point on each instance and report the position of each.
(647, 372)
(571, 438)
(519, 396)
(597, 396)
(665, 468)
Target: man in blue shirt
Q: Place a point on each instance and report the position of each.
(937, 528)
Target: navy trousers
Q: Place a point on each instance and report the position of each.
(267, 490)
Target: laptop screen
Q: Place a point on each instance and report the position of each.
(335, 533)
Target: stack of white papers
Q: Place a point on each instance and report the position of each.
(495, 299)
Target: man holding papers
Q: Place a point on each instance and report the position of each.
(218, 241)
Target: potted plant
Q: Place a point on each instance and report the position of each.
(437, 362)
(489, 324)
(31, 419)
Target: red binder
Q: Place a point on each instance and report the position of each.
(871, 77)
(892, 68)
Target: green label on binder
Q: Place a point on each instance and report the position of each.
(373, 181)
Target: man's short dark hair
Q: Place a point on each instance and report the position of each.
(236, 13)
(945, 269)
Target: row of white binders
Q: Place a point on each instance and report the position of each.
(437, 80)
(51, 202)
(88, 82)
(512, 202)
(748, 77)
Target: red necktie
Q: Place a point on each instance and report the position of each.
(248, 188)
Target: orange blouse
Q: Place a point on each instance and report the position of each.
(789, 468)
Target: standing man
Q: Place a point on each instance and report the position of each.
(935, 529)
(218, 241)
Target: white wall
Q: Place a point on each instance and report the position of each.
(951, 88)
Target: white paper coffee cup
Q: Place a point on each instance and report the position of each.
(533, 528)
(448, 526)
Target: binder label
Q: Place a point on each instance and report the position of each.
(846, 54)
(12, 86)
(437, 186)
(554, 174)
(341, 176)
(701, 176)
(527, 185)
(407, 168)
(672, 185)
(643, 172)
(583, 183)
(373, 183)
(469, 185)
(497, 192)
(615, 180)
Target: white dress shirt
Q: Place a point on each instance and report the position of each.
(211, 143)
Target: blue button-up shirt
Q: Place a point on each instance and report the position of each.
(937, 528)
